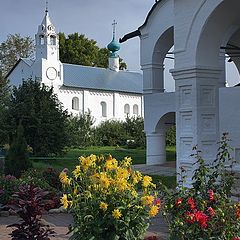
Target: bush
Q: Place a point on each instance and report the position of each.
(108, 199)
(28, 204)
(8, 186)
(17, 159)
(171, 136)
(204, 210)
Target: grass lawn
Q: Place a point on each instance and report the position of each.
(70, 159)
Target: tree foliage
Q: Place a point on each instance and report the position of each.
(80, 130)
(42, 117)
(78, 49)
(4, 101)
(17, 159)
(12, 49)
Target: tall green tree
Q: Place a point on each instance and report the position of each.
(12, 49)
(4, 101)
(80, 130)
(17, 159)
(78, 49)
(42, 117)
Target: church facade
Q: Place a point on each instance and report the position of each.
(106, 93)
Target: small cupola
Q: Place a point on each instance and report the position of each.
(114, 46)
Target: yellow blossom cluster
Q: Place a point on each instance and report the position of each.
(110, 185)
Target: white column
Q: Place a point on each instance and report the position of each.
(153, 78)
(156, 152)
(197, 114)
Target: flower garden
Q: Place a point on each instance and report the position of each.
(108, 199)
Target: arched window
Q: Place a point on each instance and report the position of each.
(52, 40)
(41, 39)
(135, 109)
(126, 109)
(75, 103)
(104, 109)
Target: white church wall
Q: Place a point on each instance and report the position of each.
(229, 114)
(93, 102)
(66, 96)
(21, 72)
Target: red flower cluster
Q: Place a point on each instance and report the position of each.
(236, 238)
(157, 202)
(191, 203)
(211, 211)
(197, 216)
(211, 194)
(238, 212)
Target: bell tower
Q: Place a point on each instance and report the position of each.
(48, 67)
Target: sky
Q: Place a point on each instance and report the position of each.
(90, 17)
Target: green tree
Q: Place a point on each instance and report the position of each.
(171, 136)
(80, 130)
(42, 117)
(134, 128)
(12, 49)
(78, 49)
(17, 159)
(4, 101)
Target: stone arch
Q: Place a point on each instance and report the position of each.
(156, 40)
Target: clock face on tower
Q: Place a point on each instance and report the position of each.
(51, 73)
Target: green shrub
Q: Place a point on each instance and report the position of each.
(8, 186)
(17, 159)
(171, 136)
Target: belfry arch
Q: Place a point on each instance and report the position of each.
(201, 33)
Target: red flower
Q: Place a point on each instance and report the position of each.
(190, 217)
(236, 238)
(178, 202)
(157, 202)
(191, 203)
(201, 218)
(211, 211)
(238, 212)
(211, 195)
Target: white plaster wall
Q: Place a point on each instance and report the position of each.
(230, 114)
(66, 96)
(155, 106)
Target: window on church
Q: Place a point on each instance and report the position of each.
(41, 39)
(135, 109)
(126, 109)
(52, 40)
(75, 103)
(104, 109)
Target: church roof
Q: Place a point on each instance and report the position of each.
(102, 79)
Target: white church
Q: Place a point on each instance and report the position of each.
(107, 93)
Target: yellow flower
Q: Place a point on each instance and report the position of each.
(103, 180)
(153, 211)
(85, 162)
(134, 193)
(146, 181)
(111, 163)
(64, 201)
(127, 161)
(122, 173)
(103, 206)
(116, 213)
(136, 176)
(76, 171)
(121, 184)
(64, 178)
(147, 200)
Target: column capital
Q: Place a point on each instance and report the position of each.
(152, 66)
(196, 72)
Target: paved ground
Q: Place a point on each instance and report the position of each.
(60, 222)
